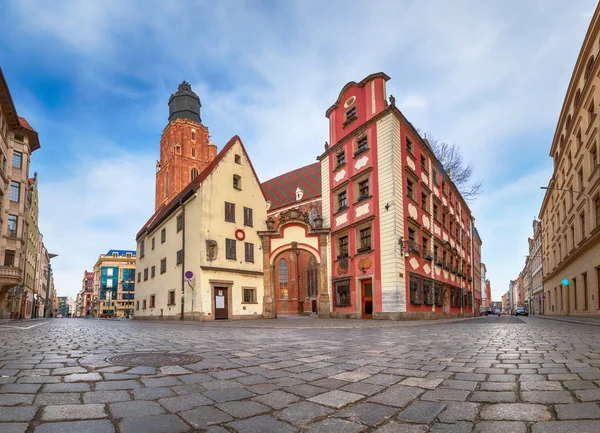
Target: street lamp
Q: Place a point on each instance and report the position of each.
(46, 306)
(587, 197)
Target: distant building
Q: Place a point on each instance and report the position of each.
(478, 278)
(85, 295)
(488, 291)
(485, 298)
(114, 284)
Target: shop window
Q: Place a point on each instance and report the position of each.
(342, 294)
(416, 290)
(439, 294)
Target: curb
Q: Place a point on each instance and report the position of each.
(579, 322)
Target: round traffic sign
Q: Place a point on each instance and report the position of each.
(189, 274)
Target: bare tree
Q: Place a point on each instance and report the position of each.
(460, 172)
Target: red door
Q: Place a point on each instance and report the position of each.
(221, 307)
(367, 299)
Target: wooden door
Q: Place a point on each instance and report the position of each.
(367, 299)
(221, 304)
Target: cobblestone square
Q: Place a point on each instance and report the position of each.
(302, 375)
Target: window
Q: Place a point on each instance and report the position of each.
(342, 200)
(580, 178)
(312, 277)
(179, 222)
(424, 201)
(179, 257)
(139, 277)
(144, 304)
(341, 158)
(163, 236)
(597, 206)
(428, 293)
(152, 271)
(238, 159)
(350, 115)
(9, 258)
(19, 137)
(153, 242)
(193, 156)
(416, 290)
(426, 252)
(194, 172)
(137, 305)
(591, 112)
(142, 249)
(229, 212)
(166, 186)
(249, 252)
(248, 220)
(574, 292)
(249, 295)
(573, 235)
(435, 212)
(152, 301)
(171, 297)
(582, 225)
(237, 182)
(362, 144)
(409, 145)
(163, 265)
(365, 239)
(282, 270)
(17, 159)
(579, 140)
(434, 175)
(410, 189)
(424, 163)
(146, 274)
(193, 135)
(343, 246)
(342, 294)
(363, 189)
(589, 67)
(230, 249)
(585, 291)
(594, 156)
(13, 222)
(15, 191)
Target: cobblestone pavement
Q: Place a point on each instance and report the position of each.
(496, 374)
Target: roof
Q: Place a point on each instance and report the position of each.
(168, 208)
(8, 106)
(34, 141)
(281, 190)
(25, 124)
(121, 252)
(362, 83)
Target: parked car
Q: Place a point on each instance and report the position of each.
(521, 311)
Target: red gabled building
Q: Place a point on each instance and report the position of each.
(401, 233)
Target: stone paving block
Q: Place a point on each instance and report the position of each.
(153, 424)
(336, 398)
(277, 399)
(105, 396)
(195, 388)
(440, 375)
(577, 411)
(15, 399)
(303, 412)
(135, 409)
(67, 387)
(265, 388)
(20, 388)
(47, 399)
(588, 376)
(73, 412)
(152, 393)
(465, 385)
(13, 427)
(501, 426)
(548, 385)
(205, 416)
(502, 378)
(470, 376)
(304, 390)
(383, 379)
(95, 426)
(588, 394)
(195, 378)
(17, 413)
(406, 372)
(184, 402)
(117, 384)
(85, 377)
(396, 427)
(494, 397)
(531, 377)
(398, 395)
(329, 383)
(460, 427)
(243, 409)
(142, 370)
(335, 425)
(38, 379)
(362, 388)
(579, 384)
(68, 370)
(455, 411)
(421, 382)
(119, 376)
(497, 386)
(222, 384)
(546, 397)
(566, 426)
(421, 412)
(516, 412)
(150, 382)
(223, 395)
(569, 376)
(442, 394)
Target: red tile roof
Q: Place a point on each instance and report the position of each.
(25, 124)
(281, 190)
(169, 207)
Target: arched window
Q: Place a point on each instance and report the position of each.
(589, 66)
(312, 277)
(577, 98)
(193, 135)
(568, 121)
(193, 152)
(283, 279)
(194, 173)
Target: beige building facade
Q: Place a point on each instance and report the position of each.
(570, 212)
(209, 232)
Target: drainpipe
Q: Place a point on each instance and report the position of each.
(183, 256)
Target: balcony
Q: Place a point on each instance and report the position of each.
(414, 247)
(10, 275)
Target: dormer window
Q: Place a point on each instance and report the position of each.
(128, 255)
(237, 182)
(238, 159)
(299, 194)
(341, 158)
(193, 135)
(115, 254)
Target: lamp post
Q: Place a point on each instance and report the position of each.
(46, 306)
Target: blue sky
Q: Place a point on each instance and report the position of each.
(93, 78)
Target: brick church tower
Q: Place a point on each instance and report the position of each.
(185, 147)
